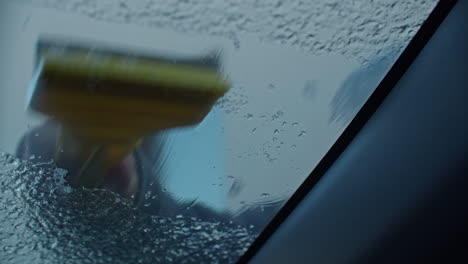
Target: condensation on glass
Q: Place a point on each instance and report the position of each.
(300, 70)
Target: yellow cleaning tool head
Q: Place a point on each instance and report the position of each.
(108, 100)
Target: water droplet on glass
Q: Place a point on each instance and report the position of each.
(271, 87)
(32, 157)
(284, 123)
(277, 115)
(295, 124)
(310, 89)
(147, 194)
(254, 130)
(236, 43)
(276, 132)
(302, 133)
(230, 177)
(37, 134)
(179, 216)
(265, 194)
(249, 116)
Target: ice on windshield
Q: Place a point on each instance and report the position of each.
(43, 220)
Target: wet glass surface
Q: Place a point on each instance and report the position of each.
(206, 191)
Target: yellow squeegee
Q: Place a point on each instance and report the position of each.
(108, 100)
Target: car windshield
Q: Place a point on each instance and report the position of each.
(184, 192)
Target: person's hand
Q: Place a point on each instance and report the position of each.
(42, 144)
